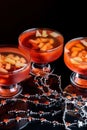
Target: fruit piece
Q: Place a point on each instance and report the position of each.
(38, 34)
(9, 60)
(10, 56)
(22, 60)
(82, 54)
(83, 66)
(73, 61)
(8, 66)
(76, 49)
(44, 39)
(74, 54)
(16, 58)
(33, 43)
(54, 34)
(80, 45)
(47, 46)
(78, 59)
(44, 33)
(2, 70)
(84, 42)
(19, 65)
(51, 41)
(38, 40)
(41, 45)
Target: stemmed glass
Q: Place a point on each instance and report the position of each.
(75, 58)
(44, 46)
(14, 68)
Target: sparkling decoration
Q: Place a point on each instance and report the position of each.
(48, 104)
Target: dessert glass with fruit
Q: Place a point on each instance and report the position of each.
(14, 67)
(75, 58)
(44, 46)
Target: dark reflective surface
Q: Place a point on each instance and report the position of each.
(44, 104)
(16, 16)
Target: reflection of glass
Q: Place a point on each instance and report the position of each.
(75, 57)
(43, 45)
(14, 67)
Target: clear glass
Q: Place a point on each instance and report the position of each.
(44, 46)
(75, 58)
(14, 67)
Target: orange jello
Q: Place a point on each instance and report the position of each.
(75, 55)
(43, 45)
(14, 66)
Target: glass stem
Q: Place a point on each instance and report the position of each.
(40, 69)
(78, 80)
(10, 91)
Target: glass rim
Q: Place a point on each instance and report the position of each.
(13, 49)
(41, 51)
(67, 50)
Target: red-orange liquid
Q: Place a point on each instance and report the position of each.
(43, 48)
(75, 55)
(14, 67)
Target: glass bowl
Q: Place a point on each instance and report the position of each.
(14, 68)
(44, 46)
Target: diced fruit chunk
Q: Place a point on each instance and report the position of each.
(42, 43)
(11, 62)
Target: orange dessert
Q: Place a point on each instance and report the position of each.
(75, 57)
(14, 67)
(43, 45)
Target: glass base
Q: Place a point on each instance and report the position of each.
(79, 81)
(40, 69)
(74, 91)
(10, 91)
(13, 108)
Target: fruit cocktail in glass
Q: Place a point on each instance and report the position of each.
(14, 68)
(44, 46)
(75, 58)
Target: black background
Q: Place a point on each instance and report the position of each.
(18, 15)
(67, 17)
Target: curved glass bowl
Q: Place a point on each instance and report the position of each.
(14, 67)
(44, 46)
(75, 58)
